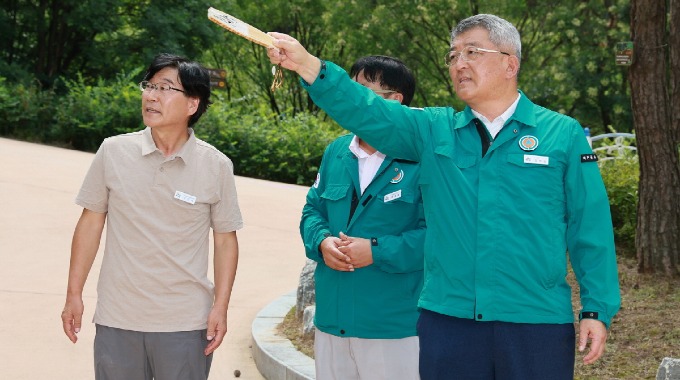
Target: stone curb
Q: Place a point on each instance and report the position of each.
(275, 356)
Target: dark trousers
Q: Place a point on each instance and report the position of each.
(456, 348)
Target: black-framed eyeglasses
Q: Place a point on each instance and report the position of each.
(162, 87)
(469, 53)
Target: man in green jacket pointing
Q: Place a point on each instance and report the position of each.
(509, 188)
(364, 225)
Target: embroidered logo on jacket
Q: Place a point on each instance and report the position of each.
(528, 143)
(397, 178)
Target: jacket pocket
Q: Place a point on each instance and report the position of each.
(459, 159)
(538, 175)
(335, 192)
(465, 161)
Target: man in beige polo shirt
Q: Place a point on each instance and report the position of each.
(160, 190)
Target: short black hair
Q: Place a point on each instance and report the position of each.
(192, 75)
(390, 72)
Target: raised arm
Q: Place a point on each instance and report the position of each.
(291, 55)
(390, 127)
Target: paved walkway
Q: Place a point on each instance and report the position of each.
(37, 215)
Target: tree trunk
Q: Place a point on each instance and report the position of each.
(653, 89)
(674, 43)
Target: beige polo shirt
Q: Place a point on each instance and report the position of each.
(160, 210)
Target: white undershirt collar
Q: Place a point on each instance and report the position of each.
(496, 125)
(368, 163)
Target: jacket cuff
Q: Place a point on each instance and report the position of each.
(594, 315)
(322, 235)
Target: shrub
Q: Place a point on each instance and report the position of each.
(15, 73)
(621, 176)
(26, 111)
(80, 119)
(88, 114)
(264, 145)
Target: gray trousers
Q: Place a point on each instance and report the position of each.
(124, 355)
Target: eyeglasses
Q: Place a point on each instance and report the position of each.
(383, 92)
(470, 53)
(162, 87)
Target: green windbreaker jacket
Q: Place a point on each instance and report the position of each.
(500, 225)
(378, 301)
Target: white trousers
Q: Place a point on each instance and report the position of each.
(339, 358)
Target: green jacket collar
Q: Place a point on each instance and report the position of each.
(523, 114)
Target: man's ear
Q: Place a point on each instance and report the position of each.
(192, 105)
(397, 96)
(512, 69)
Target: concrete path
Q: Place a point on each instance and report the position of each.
(37, 215)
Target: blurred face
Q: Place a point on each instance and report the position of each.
(479, 80)
(169, 108)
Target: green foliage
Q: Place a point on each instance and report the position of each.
(54, 37)
(26, 111)
(98, 38)
(150, 27)
(14, 73)
(568, 60)
(415, 32)
(621, 176)
(79, 119)
(88, 114)
(285, 148)
(247, 63)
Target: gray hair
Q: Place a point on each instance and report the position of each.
(501, 32)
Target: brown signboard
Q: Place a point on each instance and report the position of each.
(218, 78)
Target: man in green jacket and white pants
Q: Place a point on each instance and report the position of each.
(364, 225)
(509, 188)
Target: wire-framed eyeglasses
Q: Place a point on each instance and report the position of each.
(469, 53)
(162, 87)
(384, 92)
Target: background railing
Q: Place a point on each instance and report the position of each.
(613, 145)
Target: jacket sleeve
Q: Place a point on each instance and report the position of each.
(390, 127)
(403, 253)
(590, 236)
(314, 226)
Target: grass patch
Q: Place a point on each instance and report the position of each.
(291, 328)
(646, 329)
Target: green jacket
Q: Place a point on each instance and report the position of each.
(499, 225)
(378, 301)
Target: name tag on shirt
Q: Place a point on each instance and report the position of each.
(392, 196)
(536, 160)
(185, 197)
